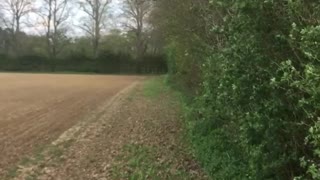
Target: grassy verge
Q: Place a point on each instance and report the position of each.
(153, 88)
(164, 152)
(141, 162)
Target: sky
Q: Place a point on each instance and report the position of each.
(33, 25)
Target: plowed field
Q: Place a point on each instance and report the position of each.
(36, 109)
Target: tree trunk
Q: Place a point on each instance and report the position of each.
(97, 30)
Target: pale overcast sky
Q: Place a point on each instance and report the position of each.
(114, 11)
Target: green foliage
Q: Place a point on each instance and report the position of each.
(107, 63)
(256, 113)
(171, 61)
(138, 162)
(117, 43)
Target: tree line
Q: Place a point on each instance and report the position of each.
(59, 30)
(251, 72)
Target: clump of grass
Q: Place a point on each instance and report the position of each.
(12, 172)
(54, 152)
(154, 87)
(32, 177)
(139, 162)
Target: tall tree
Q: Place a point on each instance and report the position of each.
(55, 13)
(96, 11)
(136, 13)
(4, 41)
(13, 13)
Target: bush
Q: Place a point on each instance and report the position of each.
(257, 112)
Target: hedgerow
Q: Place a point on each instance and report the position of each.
(106, 63)
(256, 112)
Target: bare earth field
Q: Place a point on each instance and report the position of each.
(36, 109)
(92, 127)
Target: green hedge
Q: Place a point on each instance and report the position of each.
(257, 111)
(107, 63)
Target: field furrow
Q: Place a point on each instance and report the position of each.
(35, 109)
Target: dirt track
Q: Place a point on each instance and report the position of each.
(37, 108)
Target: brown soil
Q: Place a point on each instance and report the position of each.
(86, 124)
(35, 109)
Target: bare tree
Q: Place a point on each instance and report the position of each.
(96, 11)
(136, 13)
(1, 17)
(55, 13)
(13, 12)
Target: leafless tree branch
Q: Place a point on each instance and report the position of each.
(96, 11)
(136, 12)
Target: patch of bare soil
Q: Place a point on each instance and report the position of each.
(129, 137)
